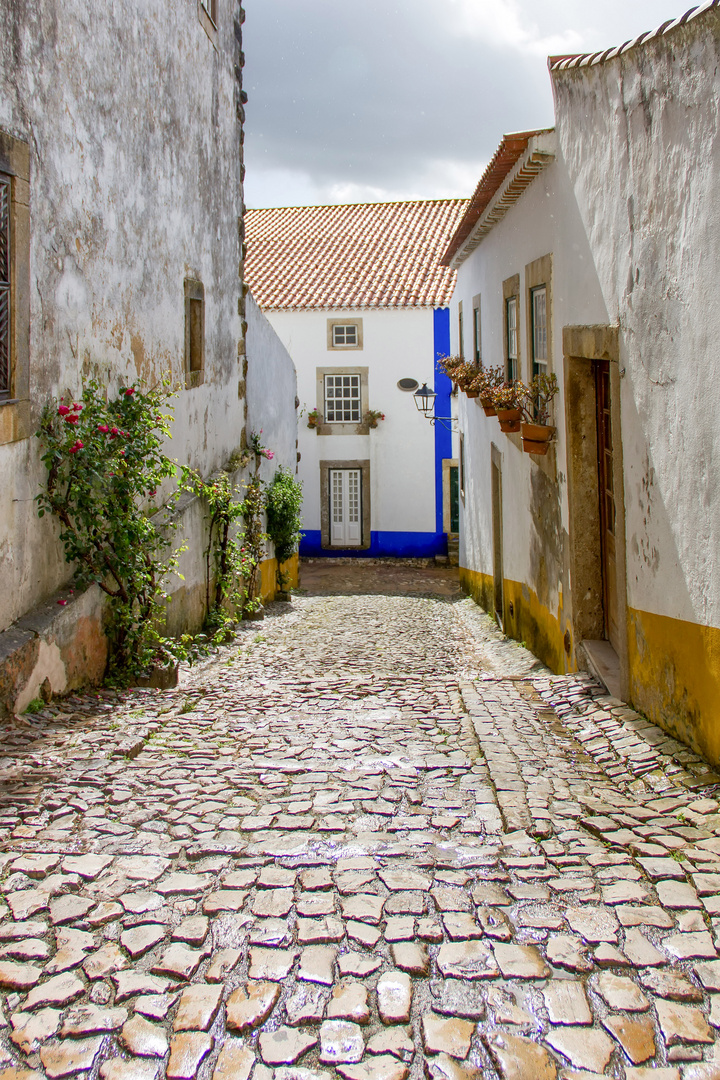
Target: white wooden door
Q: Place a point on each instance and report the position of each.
(345, 508)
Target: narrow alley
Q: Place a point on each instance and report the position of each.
(369, 839)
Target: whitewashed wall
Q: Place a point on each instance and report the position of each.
(542, 222)
(271, 392)
(640, 137)
(396, 344)
(131, 115)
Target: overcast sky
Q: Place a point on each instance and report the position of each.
(366, 100)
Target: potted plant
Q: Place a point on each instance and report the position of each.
(372, 416)
(449, 364)
(535, 427)
(506, 399)
(464, 375)
(486, 381)
(314, 417)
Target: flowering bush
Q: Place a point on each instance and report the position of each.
(257, 448)
(105, 464)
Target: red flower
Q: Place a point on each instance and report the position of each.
(122, 453)
(72, 419)
(63, 410)
(130, 391)
(77, 408)
(152, 494)
(104, 428)
(78, 446)
(114, 431)
(62, 603)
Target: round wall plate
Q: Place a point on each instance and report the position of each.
(408, 385)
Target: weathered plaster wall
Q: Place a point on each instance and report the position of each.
(534, 503)
(639, 135)
(401, 450)
(133, 118)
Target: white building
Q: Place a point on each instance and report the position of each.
(359, 299)
(594, 249)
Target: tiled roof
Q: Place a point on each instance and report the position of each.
(379, 255)
(561, 63)
(506, 157)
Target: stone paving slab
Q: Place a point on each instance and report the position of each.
(369, 839)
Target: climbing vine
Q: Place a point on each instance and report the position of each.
(105, 465)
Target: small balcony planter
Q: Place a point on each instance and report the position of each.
(536, 438)
(472, 393)
(488, 405)
(535, 400)
(509, 419)
(314, 418)
(373, 417)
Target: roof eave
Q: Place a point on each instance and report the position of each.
(539, 153)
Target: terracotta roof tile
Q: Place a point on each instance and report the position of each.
(561, 63)
(379, 255)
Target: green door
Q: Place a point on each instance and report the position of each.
(454, 499)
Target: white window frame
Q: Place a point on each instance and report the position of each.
(345, 336)
(511, 306)
(351, 381)
(538, 307)
(345, 504)
(337, 333)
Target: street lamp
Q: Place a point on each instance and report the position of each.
(424, 399)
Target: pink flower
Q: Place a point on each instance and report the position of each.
(269, 454)
(72, 419)
(78, 446)
(130, 391)
(77, 408)
(104, 428)
(122, 453)
(63, 410)
(62, 603)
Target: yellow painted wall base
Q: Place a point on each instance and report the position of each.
(268, 576)
(530, 622)
(674, 669)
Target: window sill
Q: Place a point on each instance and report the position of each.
(194, 379)
(342, 429)
(14, 421)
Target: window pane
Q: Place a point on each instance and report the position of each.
(345, 334)
(342, 398)
(539, 306)
(511, 314)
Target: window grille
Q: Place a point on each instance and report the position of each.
(342, 399)
(345, 334)
(539, 330)
(5, 372)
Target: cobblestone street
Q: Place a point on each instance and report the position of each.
(369, 839)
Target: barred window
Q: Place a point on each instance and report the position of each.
(5, 313)
(342, 399)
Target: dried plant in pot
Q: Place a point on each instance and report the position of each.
(506, 399)
(536, 400)
(486, 382)
(450, 365)
(373, 417)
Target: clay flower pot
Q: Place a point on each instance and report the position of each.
(488, 407)
(473, 393)
(509, 419)
(536, 438)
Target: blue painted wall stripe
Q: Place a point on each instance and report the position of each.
(443, 436)
(398, 545)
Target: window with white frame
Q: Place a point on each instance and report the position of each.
(345, 334)
(511, 317)
(539, 330)
(342, 399)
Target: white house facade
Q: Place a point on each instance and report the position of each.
(357, 297)
(592, 250)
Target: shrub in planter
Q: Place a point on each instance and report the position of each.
(535, 401)
(373, 416)
(506, 399)
(283, 501)
(314, 418)
(486, 382)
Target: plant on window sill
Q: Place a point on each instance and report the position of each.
(372, 417)
(535, 402)
(314, 418)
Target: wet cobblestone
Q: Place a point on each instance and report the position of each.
(370, 839)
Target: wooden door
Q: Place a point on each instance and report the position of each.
(606, 491)
(345, 508)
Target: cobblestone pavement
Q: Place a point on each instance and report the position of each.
(371, 840)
